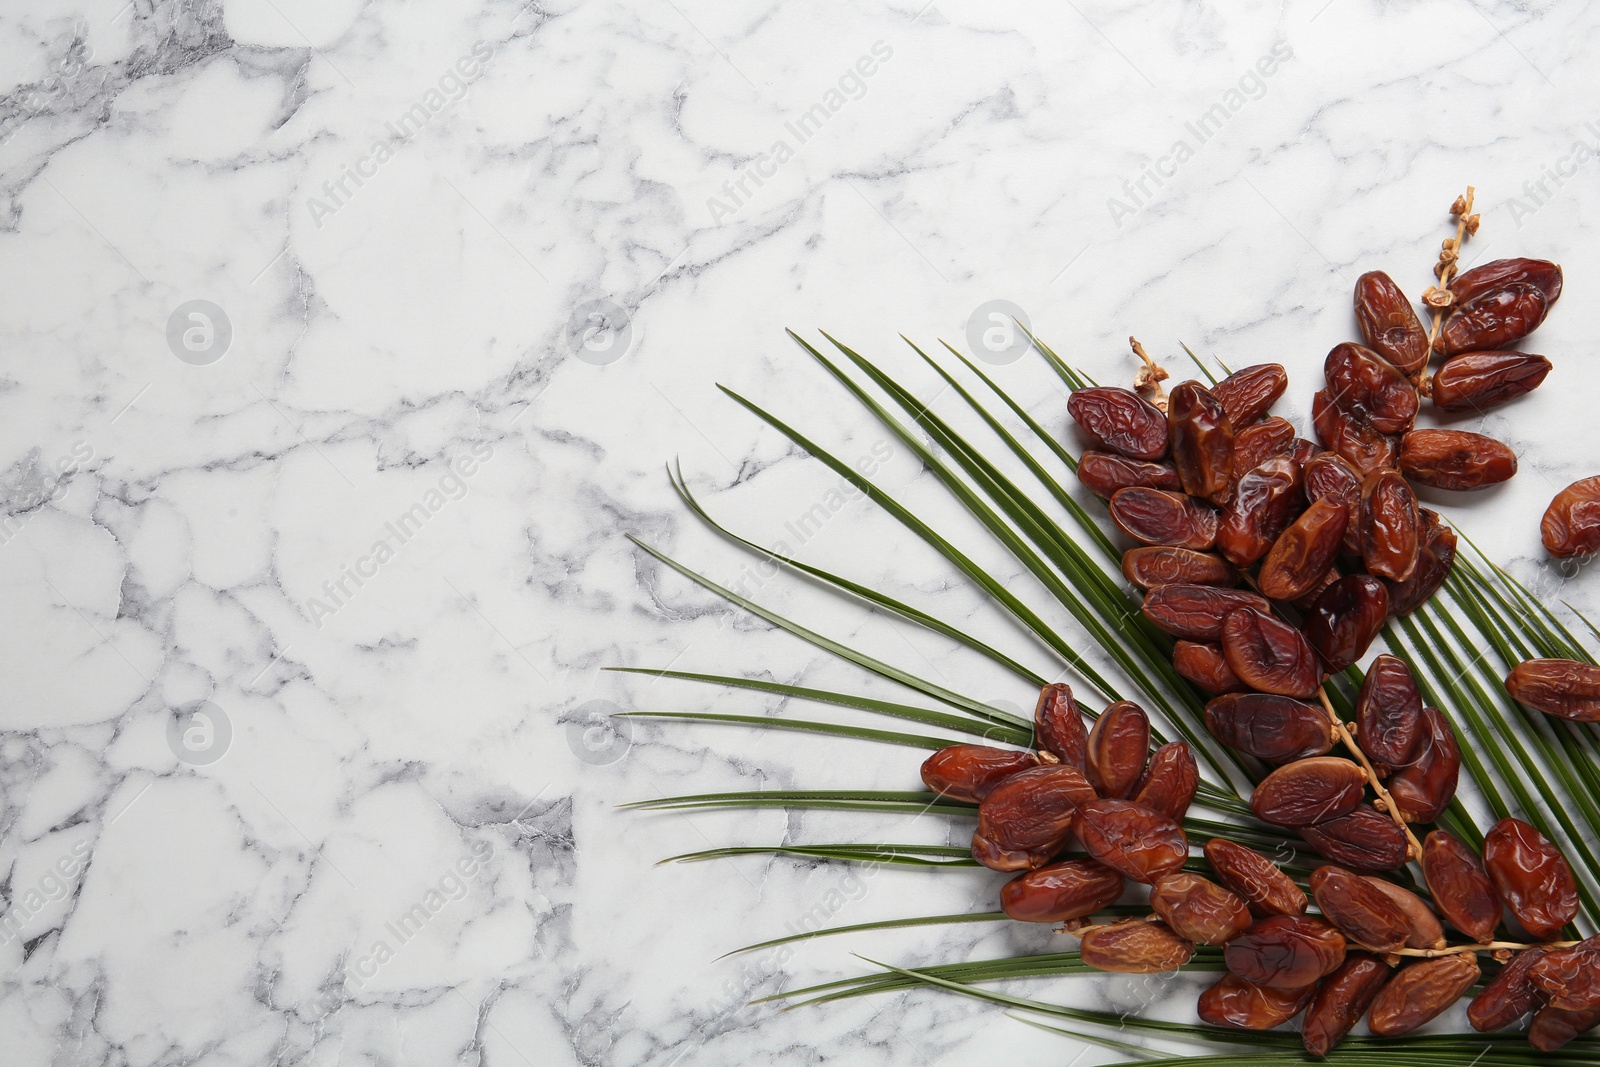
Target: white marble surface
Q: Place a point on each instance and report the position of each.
(402, 346)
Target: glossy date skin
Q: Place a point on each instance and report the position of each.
(1199, 909)
(1133, 947)
(1364, 840)
(1103, 473)
(1345, 618)
(1571, 525)
(1061, 892)
(1481, 380)
(1248, 393)
(1277, 729)
(1121, 421)
(1254, 445)
(1340, 1000)
(1257, 879)
(1241, 1005)
(1390, 526)
(1570, 977)
(1352, 438)
(1554, 1028)
(1169, 781)
(1201, 437)
(1435, 556)
(1195, 612)
(1269, 655)
(1494, 319)
(1564, 688)
(1389, 323)
(1303, 553)
(1156, 517)
(1455, 459)
(1424, 788)
(1367, 387)
(1329, 476)
(1363, 913)
(1421, 992)
(1461, 888)
(1309, 791)
(971, 772)
(1285, 951)
(1531, 876)
(1117, 747)
(1508, 996)
(1426, 931)
(1153, 565)
(1389, 712)
(1206, 667)
(1028, 818)
(1265, 502)
(1540, 273)
(1131, 839)
(1058, 725)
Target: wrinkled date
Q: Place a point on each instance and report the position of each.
(1420, 993)
(1571, 524)
(1264, 502)
(1493, 319)
(1480, 380)
(1424, 788)
(1532, 877)
(1564, 688)
(1255, 878)
(1241, 1005)
(1117, 747)
(1273, 728)
(1201, 437)
(1435, 555)
(1155, 565)
(1269, 655)
(1368, 388)
(1156, 517)
(1455, 459)
(1352, 437)
(1554, 1028)
(1058, 725)
(1570, 977)
(970, 772)
(1426, 929)
(1309, 791)
(1120, 420)
(1461, 888)
(1103, 473)
(1389, 534)
(1344, 619)
(1389, 712)
(1195, 612)
(1285, 951)
(1060, 892)
(1340, 1001)
(1133, 947)
(1170, 781)
(1199, 909)
(1206, 667)
(1303, 553)
(1254, 445)
(1364, 840)
(1329, 477)
(1389, 323)
(1249, 392)
(1131, 839)
(1508, 996)
(1539, 273)
(1028, 817)
(1363, 913)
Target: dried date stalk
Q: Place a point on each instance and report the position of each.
(1148, 378)
(1439, 298)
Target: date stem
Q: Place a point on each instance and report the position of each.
(1385, 802)
(1491, 946)
(1147, 380)
(1439, 298)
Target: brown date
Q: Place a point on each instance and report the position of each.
(1265, 501)
(1571, 524)
(1302, 451)
(1255, 878)
(1285, 951)
(1426, 931)
(1329, 476)
(1363, 913)
(1532, 877)
(1199, 909)
(1201, 437)
(1028, 817)
(1118, 745)
(1570, 977)
(1352, 437)
(1206, 667)
(1303, 553)
(1424, 788)
(1389, 323)
(1120, 420)
(1540, 273)
(970, 772)
(1254, 445)
(1272, 728)
(1345, 617)
(1366, 387)
(1493, 319)
(1508, 996)
(1154, 565)
(1269, 655)
(1420, 993)
(1058, 725)
(1170, 781)
(1461, 888)
(1103, 473)
(1554, 1028)
(1364, 840)
(1480, 380)
(1309, 598)
(1340, 1000)
(1390, 534)
(1133, 946)
(1249, 392)
(1564, 688)
(1195, 612)
(1131, 839)
(1455, 459)
(1241, 1005)
(1157, 517)
(1435, 555)
(1309, 791)
(1389, 712)
(1060, 892)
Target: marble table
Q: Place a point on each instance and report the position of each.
(346, 344)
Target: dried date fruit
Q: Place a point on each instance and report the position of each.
(1120, 420)
(1195, 612)
(1455, 459)
(1570, 977)
(1265, 501)
(1571, 524)
(1426, 931)
(1255, 878)
(1328, 476)
(1389, 712)
(1061, 892)
(1364, 914)
(1564, 688)
(1273, 728)
(1480, 380)
(1303, 553)
(1364, 840)
(1285, 951)
(1390, 528)
(1389, 323)
(1028, 817)
(1345, 617)
(1532, 877)
(1131, 839)
(1424, 787)
(1420, 993)
(1269, 655)
(1249, 392)
(1494, 319)
(1103, 473)
(1154, 565)
(1540, 273)
(1340, 1000)
(1435, 556)
(1156, 517)
(1302, 451)
(1254, 445)
(1554, 1028)
(1199, 909)
(1201, 437)
(1508, 996)
(1305, 601)
(1058, 725)
(1133, 946)
(1206, 667)
(1309, 791)
(1351, 436)
(1170, 781)
(1241, 1005)
(1117, 748)
(1461, 888)
(970, 772)
(1366, 387)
